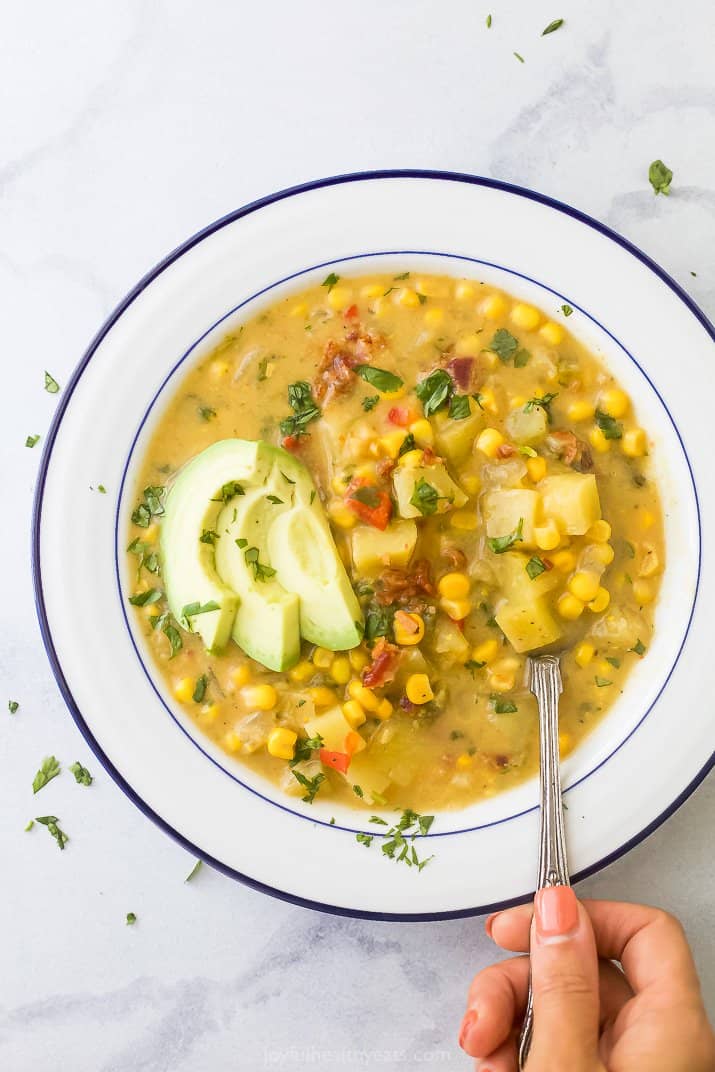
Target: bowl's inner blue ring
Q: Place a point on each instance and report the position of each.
(313, 818)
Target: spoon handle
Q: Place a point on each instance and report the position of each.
(545, 683)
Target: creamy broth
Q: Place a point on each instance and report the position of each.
(518, 405)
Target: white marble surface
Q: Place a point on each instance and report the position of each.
(123, 129)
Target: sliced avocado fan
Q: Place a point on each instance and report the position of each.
(244, 532)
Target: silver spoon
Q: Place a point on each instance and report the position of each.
(544, 680)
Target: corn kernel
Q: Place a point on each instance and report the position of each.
(614, 402)
(431, 287)
(464, 762)
(489, 400)
(525, 316)
(411, 460)
(281, 743)
(405, 634)
(565, 743)
(379, 308)
(600, 601)
(232, 742)
(354, 713)
(463, 291)
(454, 585)
(341, 671)
(501, 682)
(384, 710)
(299, 311)
(563, 561)
(584, 585)
(259, 697)
(647, 519)
(364, 696)
(489, 440)
(471, 484)
(321, 695)
(602, 552)
(372, 290)
(552, 333)
(358, 659)
(339, 297)
(392, 441)
(584, 653)
(580, 410)
(399, 392)
(634, 443)
(322, 658)
(340, 483)
(209, 713)
(301, 671)
(457, 609)
(406, 296)
(184, 689)
(422, 431)
(434, 317)
(468, 345)
(464, 520)
(341, 515)
(517, 401)
(486, 652)
(598, 440)
(219, 369)
(151, 533)
(547, 536)
(241, 675)
(489, 359)
(600, 531)
(418, 689)
(643, 592)
(493, 307)
(569, 606)
(536, 468)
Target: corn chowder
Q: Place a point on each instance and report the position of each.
(363, 510)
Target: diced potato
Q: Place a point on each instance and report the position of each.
(371, 778)
(412, 661)
(516, 584)
(332, 726)
(373, 550)
(456, 438)
(528, 625)
(502, 510)
(572, 501)
(405, 480)
(620, 629)
(449, 640)
(528, 427)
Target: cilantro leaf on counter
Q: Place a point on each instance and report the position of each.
(52, 824)
(555, 25)
(81, 774)
(51, 384)
(660, 177)
(49, 769)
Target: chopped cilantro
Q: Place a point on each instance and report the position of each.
(150, 506)
(49, 769)
(194, 871)
(459, 407)
(209, 536)
(81, 774)
(305, 409)
(502, 707)
(131, 919)
(472, 665)
(32, 440)
(660, 177)
(521, 358)
(555, 25)
(489, 21)
(51, 384)
(275, 500)
(382, 379)
(357, 790)
(408, 443)
(611, 428)
(528, 452)
(602, 682)
(330, 281)
(262, 373)
(566, 310)
(200, 689)
(101, 489)
(535, 567)
(422, 297)
(369, 496)
(51, 822)
(615, 663)
(504, 345)
(311, 785)
(500, 544)
(260, 571)
(145, 599)
(639, 648)
(542, 402)
(191, 610)
(364, 839)
(434, 391)
(425, 498)
(369, 402)
(12, 706)
(206, 413)
(405, 275)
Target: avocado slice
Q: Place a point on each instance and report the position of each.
(259, 499)
(267, 622)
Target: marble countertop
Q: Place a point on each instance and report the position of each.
(125, 128)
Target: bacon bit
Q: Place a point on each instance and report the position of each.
(351, 313)
(402, 416)
(548, 563)
(382, 669)
(384, 468)
(505, 450)
(429, 457)
(461, 369)
(399, 586)
(501, 761)
(571, 450)
(376, 513)
(336, 373)
(455, 556)
(292, 442)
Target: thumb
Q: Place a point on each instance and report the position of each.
(564, 979)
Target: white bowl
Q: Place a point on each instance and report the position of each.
(645, 757)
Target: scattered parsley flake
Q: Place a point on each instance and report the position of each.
(145, 599)
(425, 498)
(275, 500)
(49, 769)
(12, 706)
(435, 391)
(501, 706)
(499, 544)
(660, 177)
(364, 839)
(52, 824)
(566, 310)
(150, 506)
(639, 648)
(305, 409)
(535, 567)
(611, 428)
(81, 774)
(200, 687)
(32, 440)
(131, 919)
(459, 407)
(555, 25)
(51, 384)
(330, 281)
(503, 344)
(602, 682)
(262, 373)
(382, 379)
(489, 22)
(206, 413)
(29, 825)
(520, 58)
(369, 402)
(194, 871)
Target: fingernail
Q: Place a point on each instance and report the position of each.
(468, 1023)
(555, 912)
(489, 922)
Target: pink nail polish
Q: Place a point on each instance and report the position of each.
(555, 912)
(468, 1023)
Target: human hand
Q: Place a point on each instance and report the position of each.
(589, 1016)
